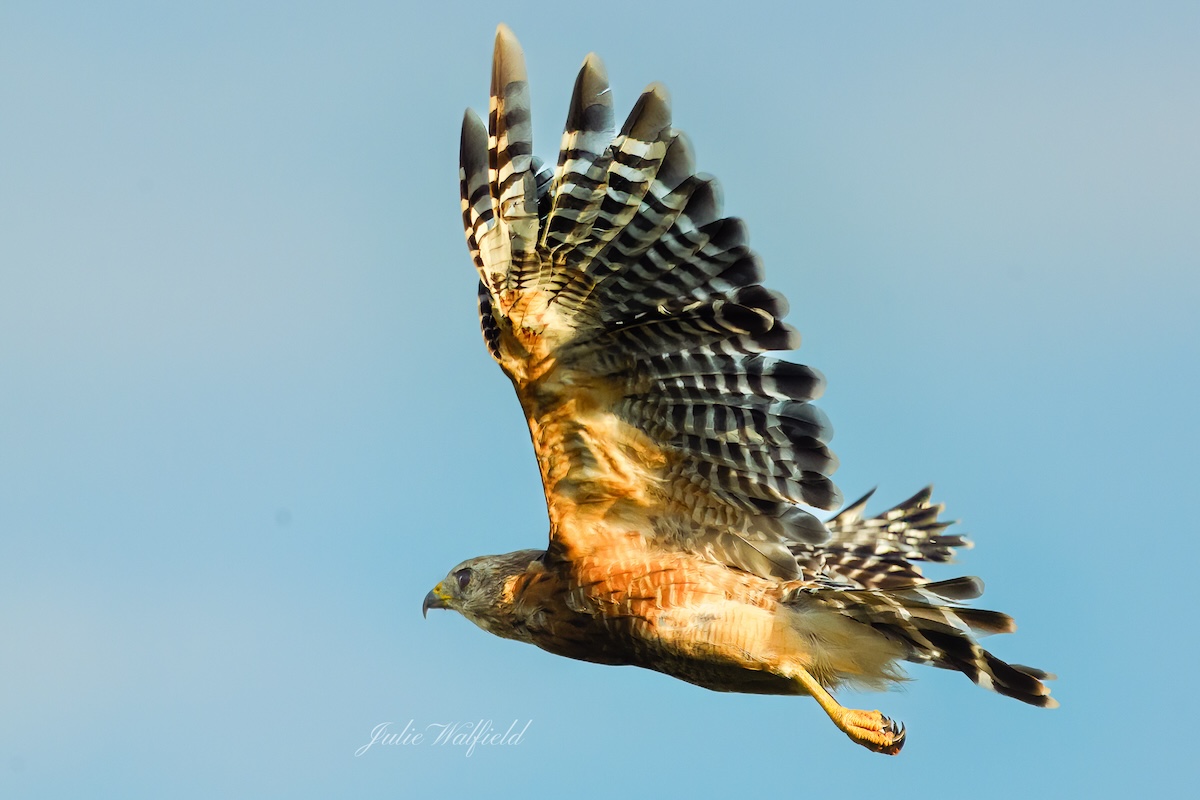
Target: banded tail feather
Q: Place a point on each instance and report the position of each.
(932, 629)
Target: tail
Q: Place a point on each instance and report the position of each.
(926, 620)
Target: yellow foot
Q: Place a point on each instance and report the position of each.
(872, 730)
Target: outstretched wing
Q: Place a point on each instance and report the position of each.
(632, 321)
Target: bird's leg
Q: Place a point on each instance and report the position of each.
(871, 729)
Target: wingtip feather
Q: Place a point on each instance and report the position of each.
(508, 59)
(474, 133)
(651, 114)
(591, 108)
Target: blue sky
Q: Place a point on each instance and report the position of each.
(247, 420)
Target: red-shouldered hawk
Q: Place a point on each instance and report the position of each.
(631, 319)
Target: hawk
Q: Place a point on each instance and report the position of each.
(675, 456)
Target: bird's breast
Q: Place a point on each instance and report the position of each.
(667, 612)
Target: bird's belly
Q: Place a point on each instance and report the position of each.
(723, 646)
(727, 678)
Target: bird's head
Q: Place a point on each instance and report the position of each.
(481, 589)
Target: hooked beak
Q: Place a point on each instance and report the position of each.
(435, 599)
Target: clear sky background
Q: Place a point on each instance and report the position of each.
(247, 419)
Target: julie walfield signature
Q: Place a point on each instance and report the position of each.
(461, 734)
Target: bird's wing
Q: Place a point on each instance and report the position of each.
(879, 552)
(632, 321)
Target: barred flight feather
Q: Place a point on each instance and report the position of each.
(582, 163)
(722, 377)
(487, 322)
(629, 185)
(511, 173)
(877, 552)
(477, 213)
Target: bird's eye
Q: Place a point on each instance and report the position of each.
(463, 576)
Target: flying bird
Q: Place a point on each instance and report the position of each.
(678, 460)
